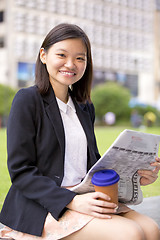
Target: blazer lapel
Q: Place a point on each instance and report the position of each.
(85, 120)
(54, 115)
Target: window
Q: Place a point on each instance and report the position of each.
(115, 38)
(71, 8)
(41, 25)
(107, 58)
(132, 84)
(30, 23)
(61, 6)
(31, 4)
(98, 35)
(1, 16)
(1, 42)
(41, 4)
(115, 16)
(90, 31)
(98, 12)
(107, 14)
(19, 47)
(19, 21)
(115, 59)
(107, 33)
(81, 9)
(123, 18)
(89, 10)
(51, 6)
(20, 2)
(98, 57)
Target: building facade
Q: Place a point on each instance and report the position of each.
(121, 34)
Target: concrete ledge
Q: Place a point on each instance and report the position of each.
(150, 207)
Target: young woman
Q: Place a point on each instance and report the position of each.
(51, 145)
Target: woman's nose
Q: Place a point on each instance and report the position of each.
(70, 63)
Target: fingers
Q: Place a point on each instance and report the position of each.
(90, 204)
(103, 204)
(147, 176)
(157, 165)
(97, 195)
(151, 175)
(101, 215)
(158, 159)
(102, 207)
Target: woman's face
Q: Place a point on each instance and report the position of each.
(65, 61)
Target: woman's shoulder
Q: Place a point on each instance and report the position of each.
(27, 92)
(26, 95)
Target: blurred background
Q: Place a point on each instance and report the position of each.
(125, 40)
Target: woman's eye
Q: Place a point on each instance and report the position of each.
(61, 55)
(81, 59)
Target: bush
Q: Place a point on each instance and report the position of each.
(111, 97)
(6, 97)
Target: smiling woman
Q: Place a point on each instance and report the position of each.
(51, 145)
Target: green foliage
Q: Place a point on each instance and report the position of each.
(6, 97)
(141, 110)
(111, 97)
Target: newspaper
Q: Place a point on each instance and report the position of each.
(132, 150)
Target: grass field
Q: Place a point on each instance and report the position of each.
(105, 137)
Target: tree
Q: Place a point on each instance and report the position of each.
(6, 97)
(111, 97)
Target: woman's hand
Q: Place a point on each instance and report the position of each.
(90, 204)
(150, 176)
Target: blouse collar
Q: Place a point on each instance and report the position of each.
(63, 106)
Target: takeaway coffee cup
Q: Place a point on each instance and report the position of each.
(106, 181)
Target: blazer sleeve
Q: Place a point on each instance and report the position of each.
(21, 147)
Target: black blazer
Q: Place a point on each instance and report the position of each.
(36, 147)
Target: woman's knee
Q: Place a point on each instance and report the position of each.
(148, 225)
(153, 231)
(114, 229)
(131, 230)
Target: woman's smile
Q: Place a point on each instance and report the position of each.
(67, 73)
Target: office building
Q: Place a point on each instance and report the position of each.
(121, 33)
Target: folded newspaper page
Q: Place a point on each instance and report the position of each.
(131, 151)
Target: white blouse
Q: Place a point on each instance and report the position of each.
(75, 164)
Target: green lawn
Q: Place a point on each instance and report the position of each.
(105, 137)
(4, 176)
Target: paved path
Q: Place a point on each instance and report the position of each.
(150, 207)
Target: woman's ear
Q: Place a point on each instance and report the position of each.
(43, 55)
